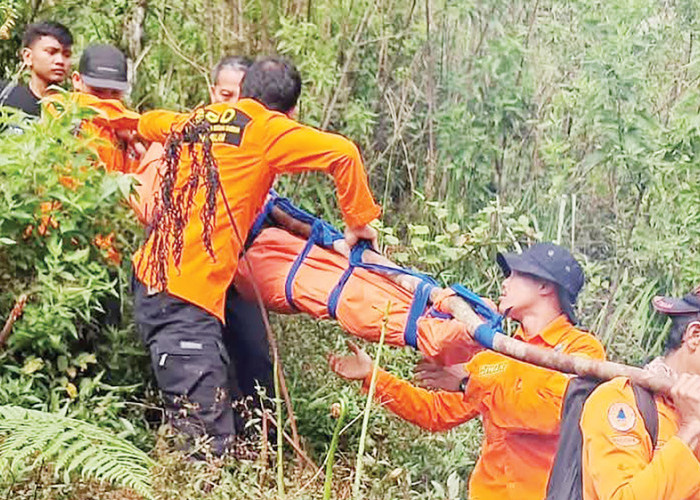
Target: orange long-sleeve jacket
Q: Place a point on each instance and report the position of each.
(618, 460)
(251, 145)
(519, 404)
(110, 115)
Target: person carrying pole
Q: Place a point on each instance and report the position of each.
(221, 161)
(520, 426)
(632, 454)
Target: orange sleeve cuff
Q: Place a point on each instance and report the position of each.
(364, 217)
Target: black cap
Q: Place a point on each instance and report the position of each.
(552, 263)
(689, 304)
(104, 67)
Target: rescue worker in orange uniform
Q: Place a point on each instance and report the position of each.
(182, 272)
(519, 404)
(244, 335)
(618, 459)
(99, 85)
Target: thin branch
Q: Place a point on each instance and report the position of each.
(173, 44)
(14, 315)
(328, 113)
(292, 443)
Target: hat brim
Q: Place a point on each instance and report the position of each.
(509, 262)
(103, 83)
(673, 305)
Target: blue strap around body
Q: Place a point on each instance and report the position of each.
(316, 234)
(354, 261)
(418, 306)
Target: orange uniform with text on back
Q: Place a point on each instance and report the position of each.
(520, 406)
(251, 145)
(618, 460)
(110, 115)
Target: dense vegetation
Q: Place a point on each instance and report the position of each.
(485, 125)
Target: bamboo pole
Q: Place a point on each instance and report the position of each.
(517, 349)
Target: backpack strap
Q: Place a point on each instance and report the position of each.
(566, 478)
(647, 407)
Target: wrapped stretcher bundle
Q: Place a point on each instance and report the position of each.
(294, 274)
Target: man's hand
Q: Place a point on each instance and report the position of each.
(134, 147)
(356, 366)
(366, 232)
(686, 396)
(435, 376)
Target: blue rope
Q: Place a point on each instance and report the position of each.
(420, 302)
(355, 259)
(314, 237)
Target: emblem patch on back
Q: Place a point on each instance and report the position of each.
(621, 417)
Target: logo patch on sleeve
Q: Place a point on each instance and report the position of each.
(621, 417)
(492, 369)
(625, 440)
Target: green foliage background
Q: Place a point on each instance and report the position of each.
(485, 125)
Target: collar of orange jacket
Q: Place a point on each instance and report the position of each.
(550, 334)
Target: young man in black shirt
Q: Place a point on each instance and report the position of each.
(46, 52)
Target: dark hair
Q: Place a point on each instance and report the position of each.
(47, 28)
(233, 62)
(274, 82)
(679, 324)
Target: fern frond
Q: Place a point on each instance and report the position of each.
(31, 438)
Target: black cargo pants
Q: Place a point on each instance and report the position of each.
(191, 357)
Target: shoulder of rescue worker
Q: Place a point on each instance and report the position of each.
(579, 341)
(606, 397)
(276, 124)
(159, 117)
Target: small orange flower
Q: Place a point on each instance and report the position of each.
(114, 256)
(68, 182)
(50, 206)
(28, 231)
(107, 243)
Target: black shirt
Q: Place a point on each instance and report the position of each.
(20, 97)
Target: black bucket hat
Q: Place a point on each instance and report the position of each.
(552, 263)
(688, 304)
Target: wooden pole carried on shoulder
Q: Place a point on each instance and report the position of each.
(514, 348)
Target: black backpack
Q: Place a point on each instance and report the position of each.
(566, 480)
